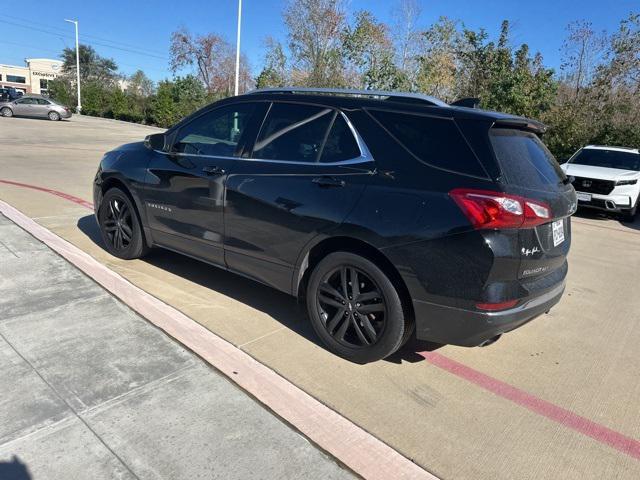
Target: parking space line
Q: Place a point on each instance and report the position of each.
(553, 412)
(565, 417)
(57, 193)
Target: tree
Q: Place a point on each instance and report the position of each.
(274, 73)
(314, 33)
(407, 37)
(437, 74)
(369, 51)
(93, 67)
(214, 59)
(582, 51)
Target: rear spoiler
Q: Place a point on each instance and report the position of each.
(469, 102)
(521, 123)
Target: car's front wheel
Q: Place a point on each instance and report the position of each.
(355, 308)
(120, 226)
(6, 112)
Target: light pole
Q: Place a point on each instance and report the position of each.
(75, 22)
(238, 47)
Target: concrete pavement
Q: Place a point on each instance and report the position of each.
(515, 422)
(88, 389)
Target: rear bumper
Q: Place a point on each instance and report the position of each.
(456, 326)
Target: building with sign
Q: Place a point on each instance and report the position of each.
(32, 78)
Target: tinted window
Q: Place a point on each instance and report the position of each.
(607, 158)
(42, 101)
(27, 101)
(524, 159)
(435, 141)
(214, 133)
(293, 132)
(340, 144)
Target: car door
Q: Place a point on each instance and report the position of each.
(304, 174)
(24, 107)
(184, 194)
(42, 107)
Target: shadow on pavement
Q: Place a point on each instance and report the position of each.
(278, 305)
(14, 470)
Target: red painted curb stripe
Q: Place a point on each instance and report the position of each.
(57, 193)
(553, 412)
(537, 405)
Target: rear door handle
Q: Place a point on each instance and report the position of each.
(326, 182)
(213, 170)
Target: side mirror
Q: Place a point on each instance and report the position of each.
(156, 141)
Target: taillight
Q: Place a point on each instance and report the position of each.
(497, 210)
(494, 307)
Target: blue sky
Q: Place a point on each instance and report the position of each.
(142, 28)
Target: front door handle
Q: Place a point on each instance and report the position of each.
(327, 182)
(213, 170)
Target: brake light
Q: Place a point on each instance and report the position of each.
(498, 210)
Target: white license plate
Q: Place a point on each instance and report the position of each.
(583, 197)
(557, 229)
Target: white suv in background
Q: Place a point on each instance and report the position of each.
(606, 178)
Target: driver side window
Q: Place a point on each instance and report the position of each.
(215, 133)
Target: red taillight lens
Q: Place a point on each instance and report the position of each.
(493, 307)
(486, 209)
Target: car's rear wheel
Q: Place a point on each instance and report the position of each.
(54, 116)
(355, 308)
(120, 226)
(6, 112)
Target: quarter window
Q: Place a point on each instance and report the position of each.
(215, 133)
(340, 144)
(293, 132)
(436, 141)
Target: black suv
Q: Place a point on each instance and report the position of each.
(388, 213)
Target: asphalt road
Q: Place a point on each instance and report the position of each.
(557, 398)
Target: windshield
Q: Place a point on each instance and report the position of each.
(607, 158)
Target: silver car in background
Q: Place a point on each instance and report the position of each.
(34, 106)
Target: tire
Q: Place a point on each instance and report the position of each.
(54, 116)
(360, 331)
(120, 226)
(6, 112)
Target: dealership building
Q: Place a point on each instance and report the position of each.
(32, 78)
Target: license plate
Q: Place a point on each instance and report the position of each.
(583, 197)
(557, 229)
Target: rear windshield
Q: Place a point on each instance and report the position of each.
(524, 160)
(607, 158)
(435, 141)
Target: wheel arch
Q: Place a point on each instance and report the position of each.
(114, 181)
(359, 247)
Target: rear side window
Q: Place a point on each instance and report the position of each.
(340, 144)
(293, 132)
(524, 160)
(435, 141)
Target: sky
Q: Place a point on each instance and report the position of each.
(136, 33)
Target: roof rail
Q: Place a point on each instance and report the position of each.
(418, 97)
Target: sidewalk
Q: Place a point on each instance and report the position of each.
(88, 389)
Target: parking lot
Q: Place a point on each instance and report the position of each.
(557, 398)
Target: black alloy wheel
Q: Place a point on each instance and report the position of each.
(355, 308)
(351, 306)
(120, 226)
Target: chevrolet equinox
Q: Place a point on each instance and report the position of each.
(388, 214)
